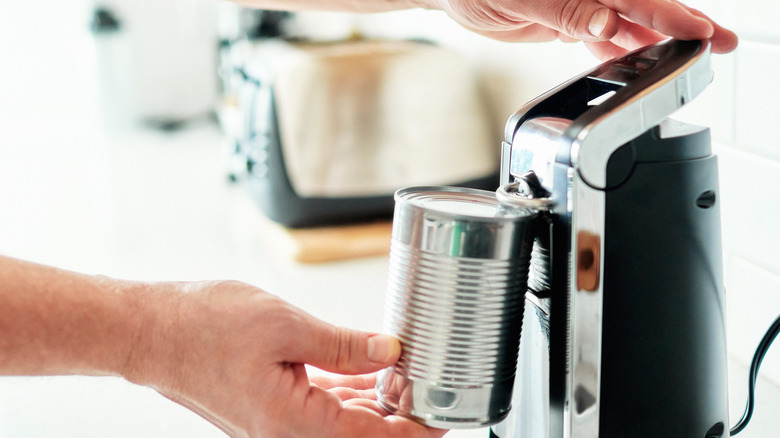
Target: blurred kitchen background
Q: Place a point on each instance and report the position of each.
(136, 141)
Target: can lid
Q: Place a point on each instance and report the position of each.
(459, 201)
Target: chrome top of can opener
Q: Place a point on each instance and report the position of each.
(648, 85)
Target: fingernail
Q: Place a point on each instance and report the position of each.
(598, 22)
(382, 348)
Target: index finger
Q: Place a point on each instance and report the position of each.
(668, 17)
(360, 381)
(354, 422)
(723, 40)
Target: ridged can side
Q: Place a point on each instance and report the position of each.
(455, 295)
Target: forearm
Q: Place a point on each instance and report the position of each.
(339, 5)
(59, 322)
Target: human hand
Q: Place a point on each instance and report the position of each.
(608, 27)
(235, 355)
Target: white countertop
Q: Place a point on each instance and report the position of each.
(156, 206)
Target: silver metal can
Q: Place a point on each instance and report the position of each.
(455, 295)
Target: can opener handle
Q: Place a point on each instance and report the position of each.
(616, 102)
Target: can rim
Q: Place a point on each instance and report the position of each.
(419, 197)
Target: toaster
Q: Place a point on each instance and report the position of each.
(330, 130)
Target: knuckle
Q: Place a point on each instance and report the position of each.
(572, 18)
(347, 348)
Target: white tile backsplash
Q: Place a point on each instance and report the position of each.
(750, 207)
(753, 303)
(754, 19)
(757, 97)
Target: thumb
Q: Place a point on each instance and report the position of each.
(603, 24)
(345, 351)
(586, 20)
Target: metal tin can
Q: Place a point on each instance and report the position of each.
(456, 289)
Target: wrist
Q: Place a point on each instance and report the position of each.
(147, 351)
